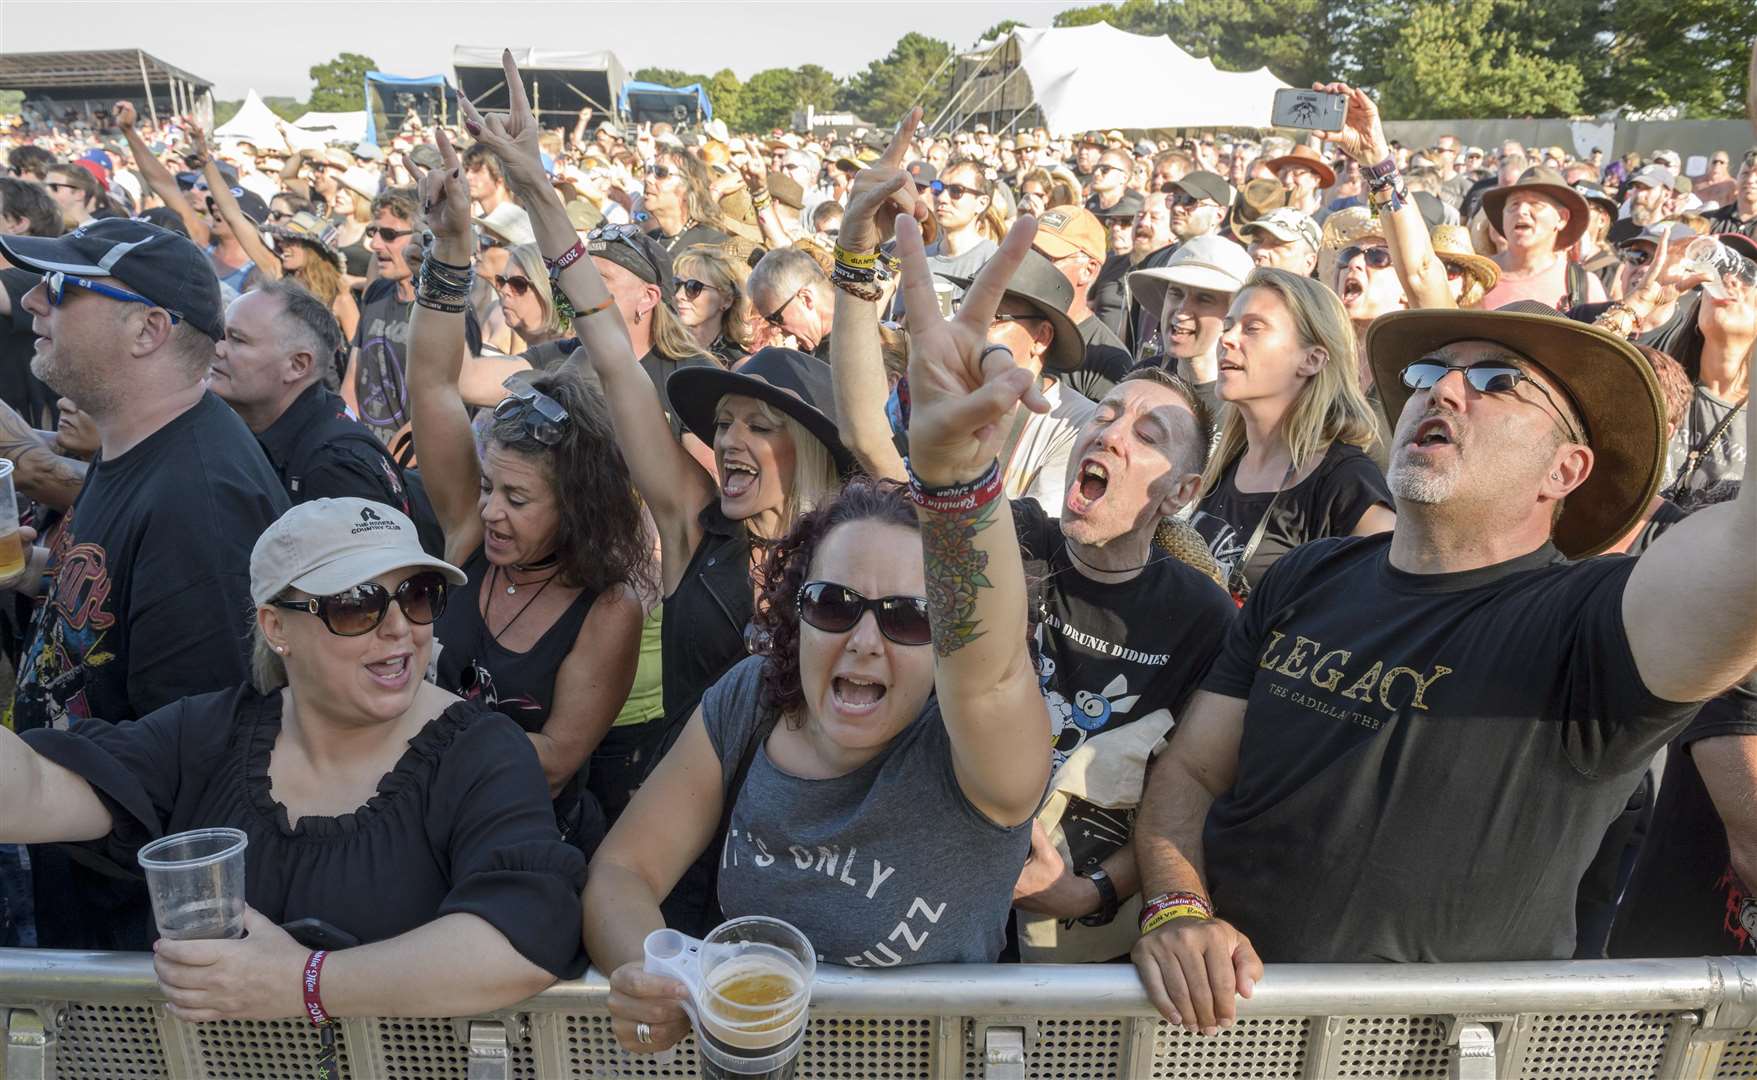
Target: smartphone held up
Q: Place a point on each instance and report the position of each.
(1309, 110)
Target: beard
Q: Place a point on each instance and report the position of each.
(1429, 485)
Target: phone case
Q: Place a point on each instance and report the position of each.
(1311, 110)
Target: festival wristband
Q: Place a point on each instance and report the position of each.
(1382, 170)
(568, 258)
(955, 498)
(859, 261)
(1164, 901)
(313, 1002)
(1181, 911)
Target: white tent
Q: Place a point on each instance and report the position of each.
(256, 124)
(1093, 77)
(315, 129)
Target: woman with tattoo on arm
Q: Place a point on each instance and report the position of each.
(919, 769)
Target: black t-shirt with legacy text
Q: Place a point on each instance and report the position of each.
(1329, 502)
(1429, 761)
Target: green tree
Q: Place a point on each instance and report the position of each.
(999, 28)
(1300, 41)
(1452, 60)
(724, 93)
(915, 70)
(1686, 53)
(814, 86)
(666, 76)
(339, 86)
(767, 100)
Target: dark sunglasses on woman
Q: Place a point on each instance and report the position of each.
(518, 283)
(835, 609)
(1378, 258)
(362, 608)
(689, 287)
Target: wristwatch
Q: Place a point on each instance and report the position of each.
(1108, 900)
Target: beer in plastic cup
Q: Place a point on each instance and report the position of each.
(12, 554)
(750, 986)
(196, 881)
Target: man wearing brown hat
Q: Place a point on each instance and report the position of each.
(1305, 174)
(1540, 217)
(1073, 240)
(1411, 744)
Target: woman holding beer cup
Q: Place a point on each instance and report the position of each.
(378, 808)
(873, 793)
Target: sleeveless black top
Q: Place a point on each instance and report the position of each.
(475, 667)
(702, 634)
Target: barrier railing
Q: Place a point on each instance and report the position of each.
(99, 1016)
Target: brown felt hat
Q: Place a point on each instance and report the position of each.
(1306, 156)
(1549, 183)
(1612, 387)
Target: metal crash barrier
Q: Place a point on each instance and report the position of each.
(99, 1016)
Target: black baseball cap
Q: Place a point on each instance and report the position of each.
(1206, 185)
(1128, 206)
(922, 172)
(635, 251)
(160, 265)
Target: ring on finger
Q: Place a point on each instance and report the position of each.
(994, 348)
(643, 1033)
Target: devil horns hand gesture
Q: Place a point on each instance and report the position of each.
(961, 388)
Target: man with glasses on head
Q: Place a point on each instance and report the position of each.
(376, 386)
(1412, 744)
(136, 601)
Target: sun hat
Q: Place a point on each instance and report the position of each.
(509, 223)
(1046, 290)
(1547, 182)
(1201, 262)
(1257, 198)
(324, 546)
(794, 382)
(1452, 245)
(1306, 157)
(307, 228)
(1612, 387)
(1063, 230)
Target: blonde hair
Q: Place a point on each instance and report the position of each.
(672, 340)
(715, 267)
(529, 258)
(1330, 406)
(815, 479)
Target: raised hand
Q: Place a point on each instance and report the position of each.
(881, 192)
(511, 135)
(445, 196)
(1361, 137)
(961, 388)
(123, 113)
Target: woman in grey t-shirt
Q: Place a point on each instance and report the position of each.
(886, 809)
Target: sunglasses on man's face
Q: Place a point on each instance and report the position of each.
(775, 318)
(55, 284)
(1377, 258)
(837, 609)
(386, 233)
(932, 186)
(659, 172)
(361, 609)
(1484, 378)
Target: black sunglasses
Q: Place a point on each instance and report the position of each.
(362, 608)
(958, 191)
(518, 283)
(773, 318)
(1484, 378)
(389, 234)
(659, 172)
(1176, 196)
(689, 287)
(544, 418)
(1377, 257)
(835, 609)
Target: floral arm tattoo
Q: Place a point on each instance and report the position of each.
(42, 474)
(956, 567)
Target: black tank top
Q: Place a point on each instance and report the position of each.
(702, 634)
(475, 667)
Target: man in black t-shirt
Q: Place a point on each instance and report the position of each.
(1411, 745)
(144, 598)
(1740, 214)
(1124, 629)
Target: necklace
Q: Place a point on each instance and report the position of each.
(1151, 559)
(520, 611)
(544, 563)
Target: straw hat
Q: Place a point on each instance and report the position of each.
(1452, 245)
(314, 232)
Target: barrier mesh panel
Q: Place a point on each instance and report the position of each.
(1259, 1048)
(594, 1054)
(1066, 1049)
(1739, 1060)
(862, 1048)
(262, 1049)
(1392, 1047)
(108, 1042)
(1590, 1046)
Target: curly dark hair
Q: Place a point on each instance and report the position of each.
(601, 541)
(787, 567)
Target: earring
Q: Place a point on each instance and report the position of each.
(1555, 476)
(282, 649)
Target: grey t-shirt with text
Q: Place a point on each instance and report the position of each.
(888, 865)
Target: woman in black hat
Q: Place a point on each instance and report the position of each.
(545, 525)
(775, 448)
(306, 245)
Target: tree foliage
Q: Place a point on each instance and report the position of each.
(1451, 60)
(1686, 53)
(340, 84)
(667, 76)
(915, 70)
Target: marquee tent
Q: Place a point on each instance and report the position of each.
(558, 82)
(1080, 78)
(254, 123)
(321, 128)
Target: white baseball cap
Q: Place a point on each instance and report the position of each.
(1201, 262)
(326, 546)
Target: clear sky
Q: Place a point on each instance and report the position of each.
(269, 45)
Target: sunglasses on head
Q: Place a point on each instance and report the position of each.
(361, 609)
(836, 609)
(1485, 378)
(689, 287)
(389, 235)
(55, 284)
(1377, 258)
(544, 418)
(624, 234)
(518, 283)
(1633, 255)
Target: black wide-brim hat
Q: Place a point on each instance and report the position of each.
(1612, 386)
(796, 383)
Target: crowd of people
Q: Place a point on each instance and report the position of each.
(966, 546)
